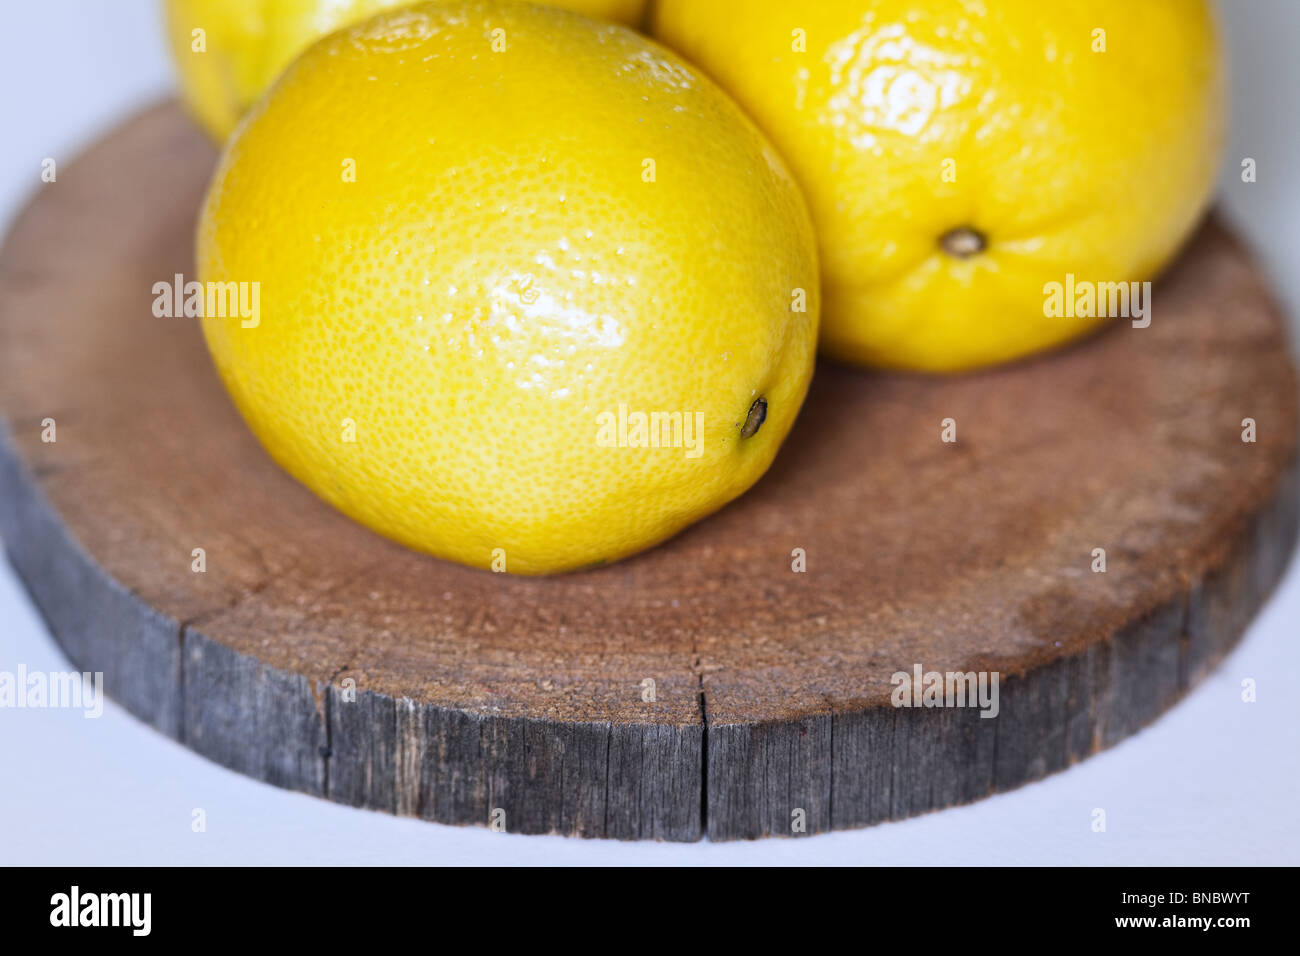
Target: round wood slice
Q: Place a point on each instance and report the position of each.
(316, 655)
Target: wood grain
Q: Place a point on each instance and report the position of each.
(477, 692)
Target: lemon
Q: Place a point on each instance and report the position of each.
(960, 157)
(532, 293)
(244, 44)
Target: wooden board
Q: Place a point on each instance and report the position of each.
(477, 692)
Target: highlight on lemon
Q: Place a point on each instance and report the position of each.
(534, 293)
(960, 158)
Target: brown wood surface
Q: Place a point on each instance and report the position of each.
(478, 691)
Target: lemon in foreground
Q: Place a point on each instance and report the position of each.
(533, 293)
(229, 51)
(961, 158)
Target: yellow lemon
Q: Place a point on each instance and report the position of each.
(229, 51)
(532, 293)
(963, 160)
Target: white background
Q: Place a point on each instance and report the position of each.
(1213, 781)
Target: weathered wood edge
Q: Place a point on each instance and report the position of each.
(846, 769)
(842, 769)
(585, 779)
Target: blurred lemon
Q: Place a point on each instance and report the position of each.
(245, 44)
(960, 156)
(534, 293)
